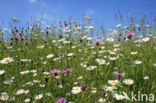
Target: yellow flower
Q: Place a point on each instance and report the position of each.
(15, 19)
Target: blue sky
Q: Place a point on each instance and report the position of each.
(102, 11)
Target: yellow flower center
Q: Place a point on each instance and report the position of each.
(111, 88)
(100, 61)
(119, 97)
(76, 89)
(21, 92)
(110, 39)
(9, 82)
(25, 72)
(128, 82)
(6, 60)
(38, 98)
(4, 97)
(113, 82)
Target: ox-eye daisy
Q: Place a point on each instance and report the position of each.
(2, 72)
(119, 97)
(6, 60)
(38, 97)
(110, 39)
(21, 91)
(138, 62)
(113, 82)
(76, 90)
(91, 67)
(100, 61)
(128, 81)
(110, 88)
(101, 100)
(8, 82)
(24, 72)
(27, 100)
(50, 56)
(4, 96)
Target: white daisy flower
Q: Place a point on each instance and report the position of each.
(112, 58)
(110, 88)
(46, 73)
(8, 82)
(25, 60)
(146, 77)
(50, 56)
(119, 25)
(128, 81)
(154, 65)
(33, 71)
(80, 77)
(2, 72)
(76, 90)
(4, 96)
(36, 81)
(101, 100)
(24, 72)
(40, 47)
(6, 60)
(70, 54)
(100, 61)
(138, 62)
(42, 85)
(94, 91)
(38, 97)
(89, 38)
(119, 97)
(134, 53)
(110, 39)
(113, 82)
(146, 39)
(27, 100)
(91, 68)
(21, 91)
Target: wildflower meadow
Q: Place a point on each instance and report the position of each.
(78, 62)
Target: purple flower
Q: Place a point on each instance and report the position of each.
(118, 38)
(30, 37)
(68, 71)
(25, 42)
(80, 39)
(129, 35)
(119, 74)
(55, 71)
(60, 54)
(96, 42)
(61, 100)
(21, 39)
(17, 38)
